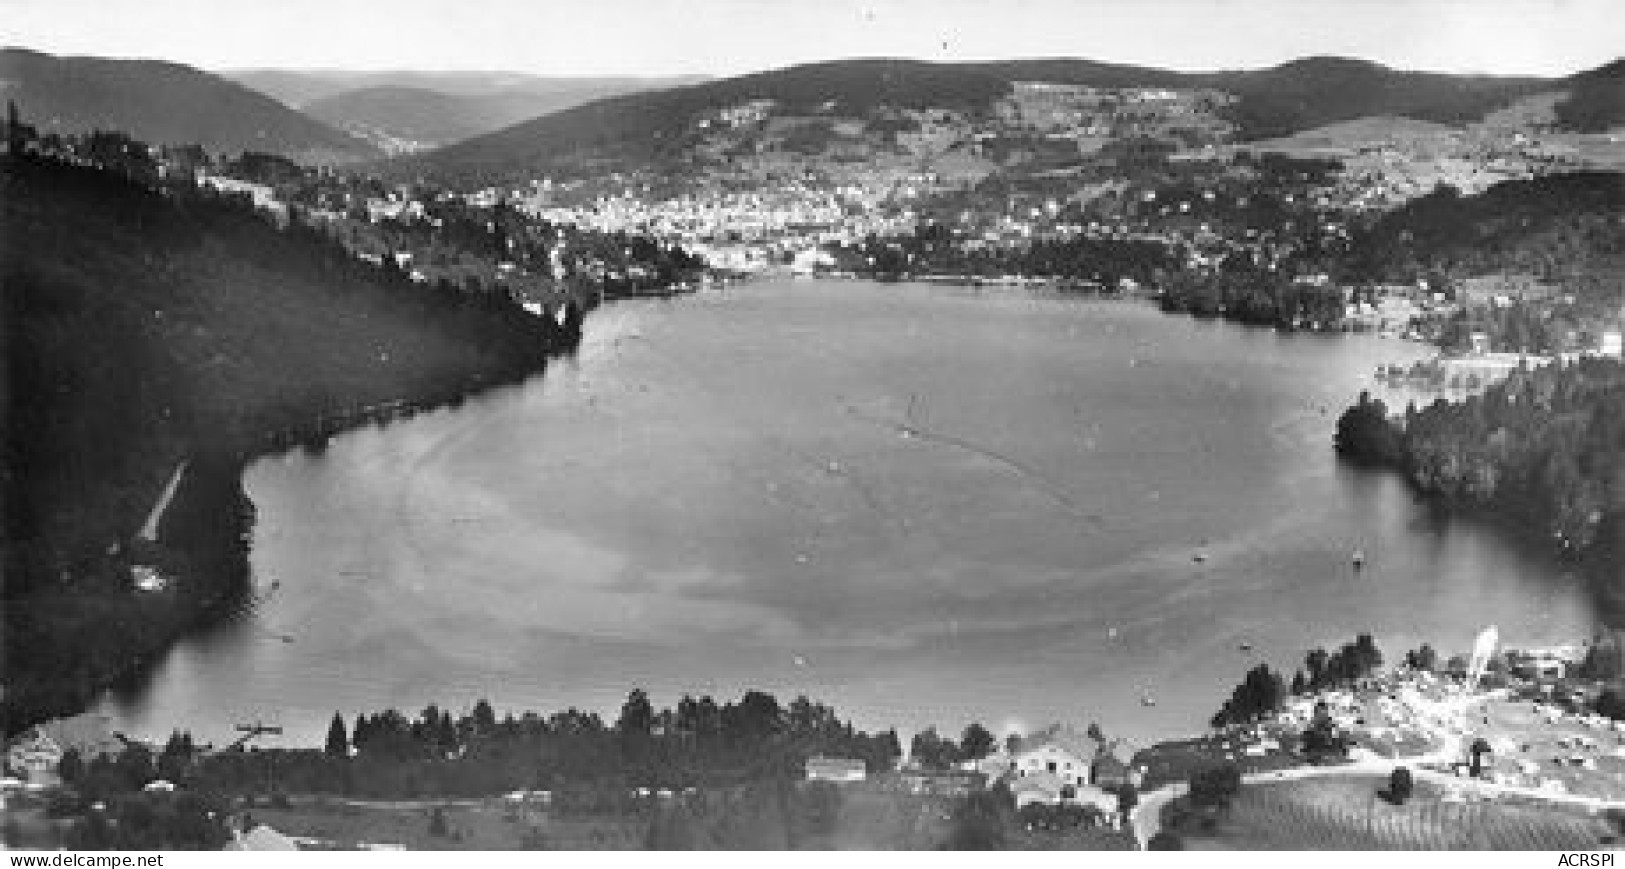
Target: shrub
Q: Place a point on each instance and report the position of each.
(1165, 841)
(1215, 785)
(978, 825)
(1400, 785)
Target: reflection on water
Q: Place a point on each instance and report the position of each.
(920, 504)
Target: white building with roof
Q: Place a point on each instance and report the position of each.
(836, 769)
(1058, 751)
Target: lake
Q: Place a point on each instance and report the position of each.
(923, 505)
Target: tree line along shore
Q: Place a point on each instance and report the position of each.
(1542, 451)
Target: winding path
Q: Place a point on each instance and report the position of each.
(149, 529)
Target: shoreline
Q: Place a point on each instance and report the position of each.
(393, 409)
(203, 550)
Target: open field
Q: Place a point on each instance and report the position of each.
(476, 825)
(24, 823)
(1176, 761)
(1596, 150)
(1345, 813)
(872, 819)
(1078, 839)
(1346, 138)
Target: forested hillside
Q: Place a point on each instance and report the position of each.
(1596, 101)
(144, 328)
(165, 103)
(1315, 91)
(661, 126)
(1569, 229)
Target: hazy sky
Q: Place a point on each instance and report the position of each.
(657, 37)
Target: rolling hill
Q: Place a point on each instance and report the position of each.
(297, 88)
(1317, 91)
(400, 118)
(405, 111)
(1343, 139)
(652, 126)
(1596, 101)
(657, 127)
(166, 103)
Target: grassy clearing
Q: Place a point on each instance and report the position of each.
(1170, 762)
(24, 823)
(1348, 137)
(1345, 813)
(481, 826)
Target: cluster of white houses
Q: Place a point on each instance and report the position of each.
(1055, 766)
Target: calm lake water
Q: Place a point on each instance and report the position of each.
(923, 505)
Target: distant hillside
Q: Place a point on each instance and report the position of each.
(418, 118)
(415, 117)
(297, 88)
(649, 128)
(1316, 91)
(165, 103)
(1302, 94)
(1596, 101)
(1563, 228)
(143, 330)
(1344, 138)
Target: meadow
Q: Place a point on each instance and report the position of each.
(1346, 813)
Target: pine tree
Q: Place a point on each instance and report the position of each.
(338, 743)
(14, 129)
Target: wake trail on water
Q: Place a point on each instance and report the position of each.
(722, 409)
(911, 429)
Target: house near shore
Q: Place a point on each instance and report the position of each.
(145, 577)
(1611, 344)
(1058, 751)
(261, 838)
(836, 769)
(1060, 767)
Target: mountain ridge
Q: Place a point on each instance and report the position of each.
(297, 88)
(164, 103)
(1596, 100)
(1268, 102)
(425, 117)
